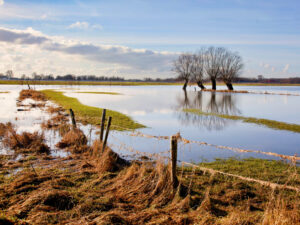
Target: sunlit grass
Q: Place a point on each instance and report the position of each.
(262, 169)
(273, 124)
(4, 92)
(99, 92)
(89, 114)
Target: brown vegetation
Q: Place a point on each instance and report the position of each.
(108, 190)
(74, 140)
(25, 142)
(33, 94)
(4, 128)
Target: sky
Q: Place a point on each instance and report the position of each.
(141, 38)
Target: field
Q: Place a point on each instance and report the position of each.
(87, 184)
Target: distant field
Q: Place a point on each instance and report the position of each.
(125, 83)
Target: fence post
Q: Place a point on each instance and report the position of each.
(102, 124)
(173, 144)
(73, 118)
(106, 134)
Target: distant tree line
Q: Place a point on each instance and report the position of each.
(9, 75)
(213, 63)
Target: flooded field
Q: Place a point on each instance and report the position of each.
(160, 109)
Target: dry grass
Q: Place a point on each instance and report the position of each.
(33, 94)
(108, 190)
(25, 142)
(74, 140)
(4, 128)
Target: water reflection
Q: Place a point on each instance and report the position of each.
(208, 102)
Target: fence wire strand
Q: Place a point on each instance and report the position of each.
(134, 133)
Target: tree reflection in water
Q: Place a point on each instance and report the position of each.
(208, 102)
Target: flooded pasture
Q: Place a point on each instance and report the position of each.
(160, 109)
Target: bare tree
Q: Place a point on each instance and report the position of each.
(213, 59)
(198, 71)
(9, 74)
(232, 65)
(183, 67)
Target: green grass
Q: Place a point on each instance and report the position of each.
(99, 92)
(273, 124)
(268, 170)
(112, 83)
(89, 114)
(4, 92)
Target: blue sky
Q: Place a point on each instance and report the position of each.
(139, 38)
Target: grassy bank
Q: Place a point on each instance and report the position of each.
(273, 124)
(99, 92)
(89, 114)
(269, 170)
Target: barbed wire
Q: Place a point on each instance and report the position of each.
(262, 182)
(205, 169)
(134, 133)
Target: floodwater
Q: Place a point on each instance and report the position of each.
(159, 108)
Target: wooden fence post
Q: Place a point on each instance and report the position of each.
(106, 134)
(102, 124)
(173, 144)
(73, 118)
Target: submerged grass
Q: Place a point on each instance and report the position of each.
(99, 92)
(89, 114)
(273, 124)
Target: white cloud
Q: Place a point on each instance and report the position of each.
(103, 57)
(85, 25)
(1, 2)
(79, 25)
(286, 68)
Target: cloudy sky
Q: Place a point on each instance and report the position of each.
(140, 38)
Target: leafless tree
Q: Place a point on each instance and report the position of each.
(198, 70)
(213, 61)
(232, 65)
(9, 74)
(183, 67)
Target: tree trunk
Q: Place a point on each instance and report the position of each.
(229, 86)
(200, 85)
(213, 84)
(185, 84)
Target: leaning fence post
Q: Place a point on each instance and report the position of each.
(73, 118)
(106, 134)
(173, 144)
(102, 124)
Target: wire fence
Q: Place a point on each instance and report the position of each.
(293, 158)
(161, 156)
